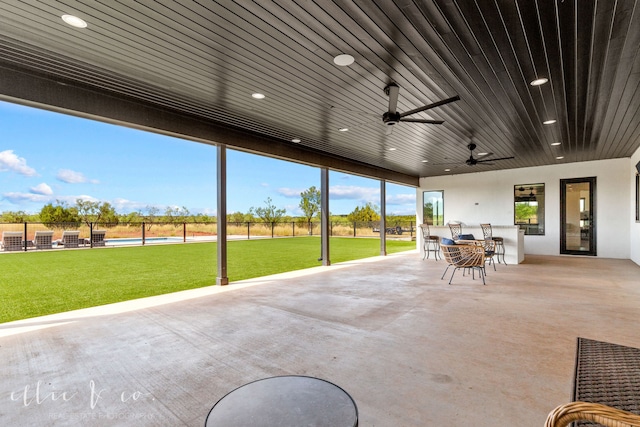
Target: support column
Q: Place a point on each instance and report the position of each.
(383, 217)
(221, 160)
(324, 215)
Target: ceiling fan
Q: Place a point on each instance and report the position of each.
(392, 117)
(471, 161)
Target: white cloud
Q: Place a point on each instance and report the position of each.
(73, 177)
(125, 206)
(42, 194)
(42, 188)
(403, 210)
(293, 210)
(352, 192)
(9, 161)
(289, 192)
(72, 199)
(401, 199)
(365, 194)
(17, 198)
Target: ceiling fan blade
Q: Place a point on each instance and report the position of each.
(392, 90)
(429, 122)
(493, 160)
(434, 105)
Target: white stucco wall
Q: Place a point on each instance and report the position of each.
(634, 233)
(488, 197)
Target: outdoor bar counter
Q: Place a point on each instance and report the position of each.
(512, 234)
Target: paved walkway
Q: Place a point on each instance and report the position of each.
(409, 348)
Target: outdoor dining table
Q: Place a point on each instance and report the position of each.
(285, 401)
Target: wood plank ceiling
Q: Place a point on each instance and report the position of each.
(206, 58)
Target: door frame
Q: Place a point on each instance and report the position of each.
(592, 180)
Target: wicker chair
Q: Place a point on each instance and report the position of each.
(584, 411)
(466, 257)
(488, 245)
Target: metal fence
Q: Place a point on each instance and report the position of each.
(23, 235)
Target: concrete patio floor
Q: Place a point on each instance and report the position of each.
(409, 348)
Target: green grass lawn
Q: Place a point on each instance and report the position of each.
(44, 282)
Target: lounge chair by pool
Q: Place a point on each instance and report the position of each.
(12, 240)
(70, 238)
(43, 239)
(97, 237)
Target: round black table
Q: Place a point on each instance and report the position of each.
(285, 401)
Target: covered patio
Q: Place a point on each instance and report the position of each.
(409, 348)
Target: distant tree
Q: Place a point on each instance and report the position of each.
(368, 212)
(236, 218)
(131, 218)
(151, 216)
(269, 213)
(310, 204)
(107, 215)
(96, 212)
(59, 216)
(428, 213)
(524, 211)
(184, 215)
(17, 216)
(87, 210)
(204, 218)
(169, 214)
(176, 216)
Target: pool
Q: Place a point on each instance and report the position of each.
(138, 240)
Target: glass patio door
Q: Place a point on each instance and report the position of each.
(578, 216)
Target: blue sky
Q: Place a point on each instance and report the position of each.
(47, 156)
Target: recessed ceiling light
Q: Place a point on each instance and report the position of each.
(482, 154)
(556, 143)
(425, 161)
(343, 60)
(538, 82)
(549, 122)
(392, 149)
(559, 157)
(74, 21)
(296, 140)
(343, 129)
(447, 170)
(257, 95)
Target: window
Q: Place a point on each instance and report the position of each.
(529, 208)
(433, 207)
